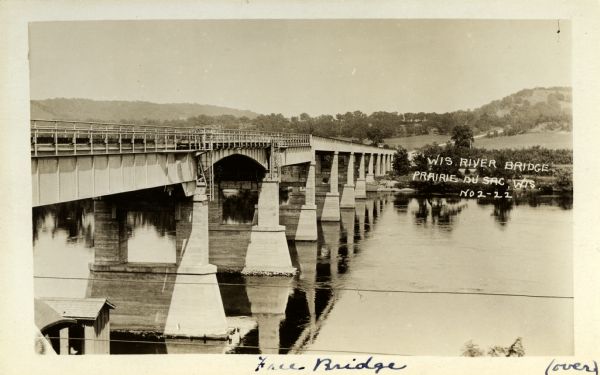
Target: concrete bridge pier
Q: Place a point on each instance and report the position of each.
(348, 196)
(268, 304)
(388, 164)
(110, 235)
(378, 165)
(331, 207)
(370, 179)
(307, 222)
(268, 252)
(196, 308)
(192, 238)
(183, 227)
(360, 190)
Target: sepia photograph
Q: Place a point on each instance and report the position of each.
(302, 186)
(331, 187)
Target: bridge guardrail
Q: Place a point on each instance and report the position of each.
(52, 137)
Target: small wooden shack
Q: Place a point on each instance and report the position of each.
(91, 333)
(51, 326)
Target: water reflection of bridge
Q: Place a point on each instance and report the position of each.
(292, 180)
(271, 313)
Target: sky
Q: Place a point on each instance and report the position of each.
(296, 66)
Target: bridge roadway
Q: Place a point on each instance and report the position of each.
(79, 160)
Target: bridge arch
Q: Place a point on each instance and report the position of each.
(236, 180)
(239, 166)
(259, 156)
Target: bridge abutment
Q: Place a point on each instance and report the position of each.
(331, 207)
(268, 252)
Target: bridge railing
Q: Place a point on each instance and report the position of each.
(49, 137)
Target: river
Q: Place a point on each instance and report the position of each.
(399, 275)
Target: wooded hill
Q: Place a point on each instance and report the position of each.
(126, 111)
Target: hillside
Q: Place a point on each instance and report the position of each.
(547, 109)
(553, 100)
(118, 111)
(532, 109)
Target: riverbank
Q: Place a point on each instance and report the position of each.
(558, 184)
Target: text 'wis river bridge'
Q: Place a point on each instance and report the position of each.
(81, 160)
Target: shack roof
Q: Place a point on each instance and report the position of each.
(79, 308)
(46, 317)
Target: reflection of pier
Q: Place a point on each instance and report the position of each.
(330, 246)
(348, 223)
(309, 333)
(268, 300)
(360, 217)
(307, 260)
(370, 213)
(331, 234)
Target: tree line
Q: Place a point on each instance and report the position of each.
(514, 114)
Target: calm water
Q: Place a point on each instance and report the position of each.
(398, 275)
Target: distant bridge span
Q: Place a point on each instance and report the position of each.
(76, 160)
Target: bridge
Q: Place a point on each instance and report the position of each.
(325, 176)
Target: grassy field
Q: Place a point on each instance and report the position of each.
(411, 143)
(547, 139)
